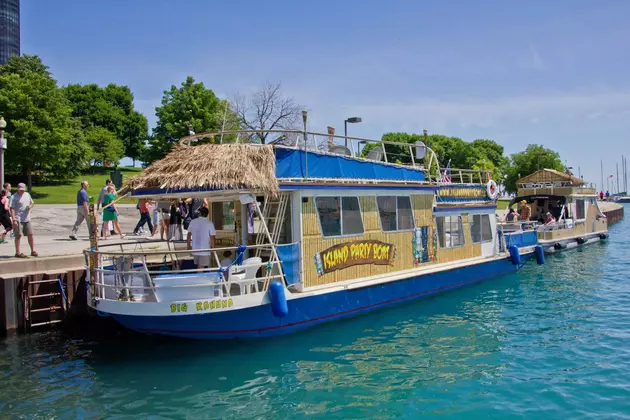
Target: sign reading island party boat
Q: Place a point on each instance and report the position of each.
(348, 254)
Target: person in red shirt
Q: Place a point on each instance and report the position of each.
(145, 217)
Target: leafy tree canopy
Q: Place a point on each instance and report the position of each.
(111, 108)
(530, 160)
(105, 146)
(41, 132)
(190, 104)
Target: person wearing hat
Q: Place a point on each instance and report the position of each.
(526, 211)
(550, 219)
(21, 205)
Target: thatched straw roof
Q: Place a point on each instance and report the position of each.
(550, 175)
(220, 166)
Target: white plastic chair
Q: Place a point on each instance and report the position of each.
(245, 275)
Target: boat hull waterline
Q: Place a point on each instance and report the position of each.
(307, 311)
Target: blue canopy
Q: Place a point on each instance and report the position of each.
(291, 163)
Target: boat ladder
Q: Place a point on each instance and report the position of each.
(45, 301)
(273, 214)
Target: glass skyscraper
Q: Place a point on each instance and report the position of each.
(9, 29)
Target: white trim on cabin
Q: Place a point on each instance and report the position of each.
(342, 235)
(362, 192)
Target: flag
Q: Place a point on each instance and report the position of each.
(447, 172)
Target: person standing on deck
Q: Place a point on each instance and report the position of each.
(21, 205)
(601, 196)
(203, 235)
(82, 210)
(526, 213)
(607, 195)
(145, 217)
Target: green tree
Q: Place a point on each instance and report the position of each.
(105, 146)
(112, 108)
(42, 134)
(530, 160)
(192, 105)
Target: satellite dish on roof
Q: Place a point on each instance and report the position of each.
(421, 150)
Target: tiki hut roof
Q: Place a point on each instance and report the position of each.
(550, 175)
(214, 166)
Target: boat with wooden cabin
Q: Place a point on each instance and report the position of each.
(577, 218)
(320, 231)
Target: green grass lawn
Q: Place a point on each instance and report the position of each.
(503, 203)
(66, 192)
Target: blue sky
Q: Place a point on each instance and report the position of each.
(553, 73)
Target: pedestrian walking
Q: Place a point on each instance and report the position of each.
(110, 213)
(7, 187)
(21, 205)
(175, 222)
(6, 221)
(145, 217)
(82, 210)
(101, 196)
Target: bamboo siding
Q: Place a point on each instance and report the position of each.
(314, 243)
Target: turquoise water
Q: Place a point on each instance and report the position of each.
(552, 344)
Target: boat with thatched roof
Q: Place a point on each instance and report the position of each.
(560, 209)
(309, 228)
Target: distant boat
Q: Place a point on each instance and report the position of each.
(578, 220)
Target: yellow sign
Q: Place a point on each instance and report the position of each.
(204, 305)
(346, 255)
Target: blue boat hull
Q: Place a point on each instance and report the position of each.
(308, 311)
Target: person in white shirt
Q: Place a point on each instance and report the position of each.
(203, 235)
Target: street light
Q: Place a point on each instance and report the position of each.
(352, 120)
(3, 145)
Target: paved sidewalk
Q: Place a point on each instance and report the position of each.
(52, 224)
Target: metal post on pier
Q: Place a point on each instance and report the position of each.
(3, 146)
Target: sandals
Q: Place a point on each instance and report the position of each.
(20, 255)
(34, 254)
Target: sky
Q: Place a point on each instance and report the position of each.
(550, 73)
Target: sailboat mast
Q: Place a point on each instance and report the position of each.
(601, 164)
(617, 177)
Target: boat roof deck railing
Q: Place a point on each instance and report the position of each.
(556, 184)
(416, 156)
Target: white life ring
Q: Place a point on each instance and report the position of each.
(492, 190)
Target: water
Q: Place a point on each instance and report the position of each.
(551, 344)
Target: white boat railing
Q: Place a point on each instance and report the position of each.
(417, 156)
(125, 272)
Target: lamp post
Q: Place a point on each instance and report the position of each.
(3, 145)
(352, 120)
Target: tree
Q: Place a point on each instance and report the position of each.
(43, 135)
(530, 160)
(111, 108)
(105, 146)
(191, 104)
(267, 109)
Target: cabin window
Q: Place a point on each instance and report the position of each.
(450, 231)
(579, 210)
(395, 213)
(480, 230)
(339, 216)
(223, 215)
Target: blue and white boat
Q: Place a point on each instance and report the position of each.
(316, 231)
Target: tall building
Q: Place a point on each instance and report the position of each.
(9, 29)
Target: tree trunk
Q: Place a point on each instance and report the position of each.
(134, 162)
(30, 181)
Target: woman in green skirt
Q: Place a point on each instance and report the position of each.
(110, 214)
